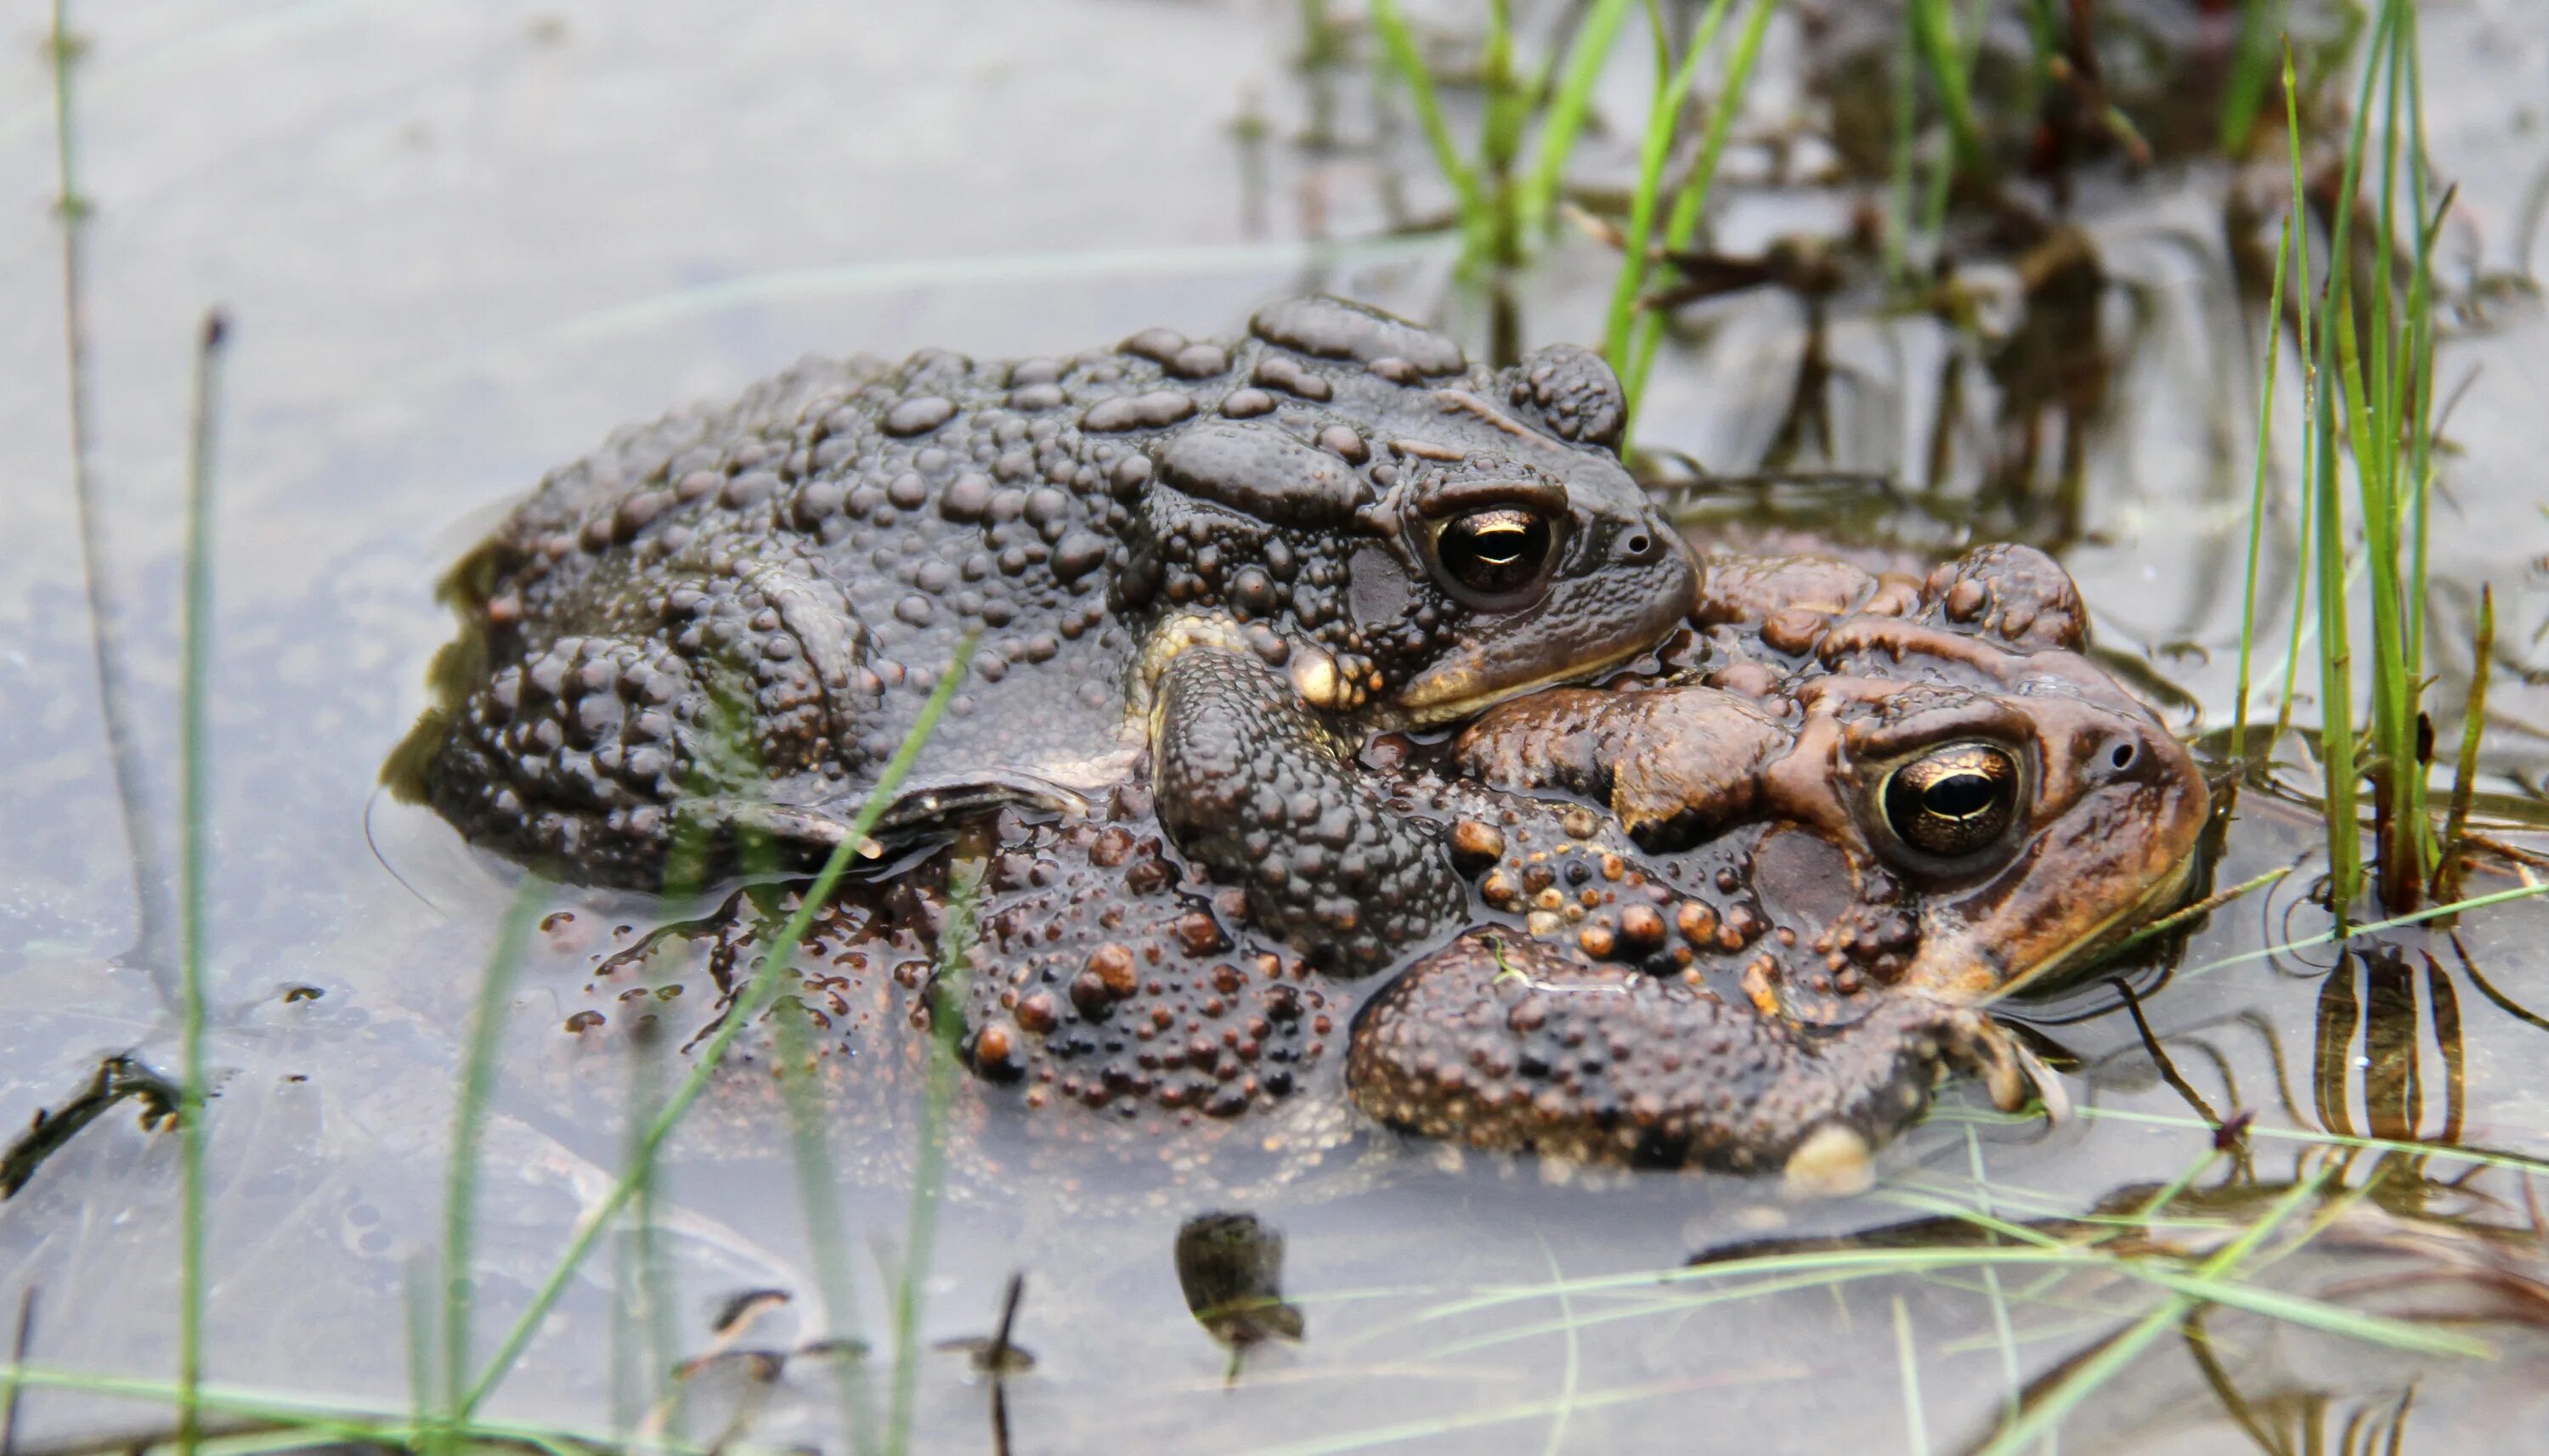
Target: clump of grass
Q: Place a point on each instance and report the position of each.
(2368, 388)
(1504, 212)
(1631, 335)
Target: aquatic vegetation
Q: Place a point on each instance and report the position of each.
(195, 849)
(2368, 411)
(1503, 214)
(1631, 337)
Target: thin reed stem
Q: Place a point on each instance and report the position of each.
(945, 994)
(194, 731)
(468, 1130)
(2267, 369)
(151, 912)
(2447, 866)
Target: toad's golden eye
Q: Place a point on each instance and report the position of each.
(1954, 800)
(1498, 558)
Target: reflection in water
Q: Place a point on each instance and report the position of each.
(998, 1356)
(2348, 1292)
(117, 1078)
(2388, 1089)
(2289, 1420)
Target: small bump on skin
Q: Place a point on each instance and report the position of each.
(1475, 845)
(1314, 677)
(918, 415)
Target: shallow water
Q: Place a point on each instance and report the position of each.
(462, 240)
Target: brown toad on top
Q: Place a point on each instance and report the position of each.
(1334, 524)
(1923, 788)
(1739, 920)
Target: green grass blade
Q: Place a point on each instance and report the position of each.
(1692, 201)
(1399, 46)
(2252, 67)
(946, 997)
(2514, 1163)
(1956, 79)
(1654, 150)
(468, 1129)
(195, 858)
(2381, 1329)
(2465, 768)
(1568, 110)
(2306, 549)
(2420, 313)
(2337, 676)
(756, 998)
(2345, 931)
(1933, 30)
(2257, 492)
(419, 1343)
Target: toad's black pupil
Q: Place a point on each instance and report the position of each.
(1959, 795)
(1495, 551)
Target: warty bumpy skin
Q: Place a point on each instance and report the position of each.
(734, 614)
(1691, 935)
(1509, 1043)
(1242, 780)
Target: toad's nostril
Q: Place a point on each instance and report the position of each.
(2122, 756)
(1637, 544)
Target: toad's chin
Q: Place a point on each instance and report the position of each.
(1469, 683)
(1964, 970)
(2161, 895)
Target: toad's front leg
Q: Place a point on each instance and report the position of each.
(1251, 785)
(1510, 1043)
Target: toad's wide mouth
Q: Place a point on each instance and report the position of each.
(1975, 962)
(2160, 895)
(1455, 689)
(1476, 675)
